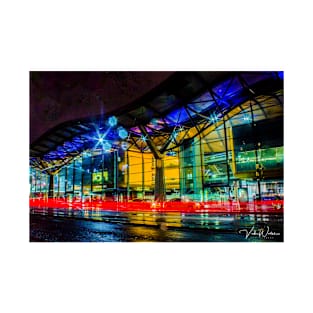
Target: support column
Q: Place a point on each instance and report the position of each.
(159, 194)
(102, 176)
(91, 176)
(142, 176)
(51, 186)
(182, 171)
(35, 182)
(256, 150)
(115, 175)
(227, 159)
(197, 171)
(127, 173)
(82, 180)
(40, 180)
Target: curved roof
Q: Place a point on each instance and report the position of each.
(182, 106)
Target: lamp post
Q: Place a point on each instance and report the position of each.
(115, 173)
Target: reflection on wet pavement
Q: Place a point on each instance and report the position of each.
(65, 226)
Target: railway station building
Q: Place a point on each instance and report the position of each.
(156, 136)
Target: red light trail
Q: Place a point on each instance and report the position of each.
(264, 206)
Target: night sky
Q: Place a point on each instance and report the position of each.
(57, 97)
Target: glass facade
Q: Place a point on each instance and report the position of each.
(39, 183)
(240, 157)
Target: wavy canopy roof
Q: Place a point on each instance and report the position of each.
(181, 106)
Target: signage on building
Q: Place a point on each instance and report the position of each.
(97, 177)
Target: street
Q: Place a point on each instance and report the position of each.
(149, 227)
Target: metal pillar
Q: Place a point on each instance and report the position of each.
(115, 173)
(197, 172)
(227, 159)
(58, 181)
(35, 170)
(127, 173)
(82, 180)
(102, 172)
(40, 180)
(51, 186)
(256, 147)
(159, 194)
(74, 176)
(91, 175)
(65, 183)
(182, 172)
(142, 176)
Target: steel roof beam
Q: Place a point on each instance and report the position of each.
(156, 153)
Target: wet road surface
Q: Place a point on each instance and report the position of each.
(148, 227)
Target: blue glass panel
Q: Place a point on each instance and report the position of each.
(201, 107)
(204, 97)
(178, 116)
(222, 88)
(234, 88)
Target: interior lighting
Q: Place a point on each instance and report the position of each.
(246, 117)
(154, 121)
(122, 132)
(99, 141)
(106, 146)
(213, 118)
(112, 121)
(181, 128)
